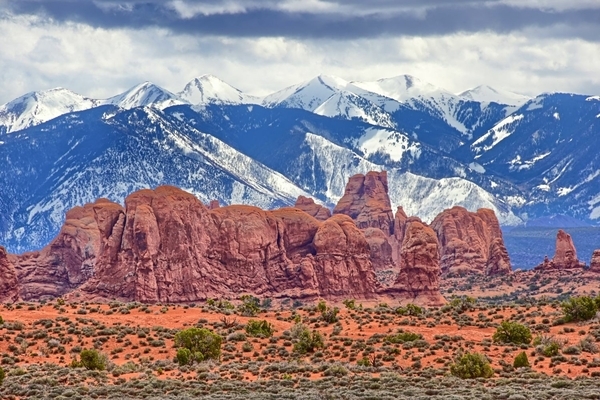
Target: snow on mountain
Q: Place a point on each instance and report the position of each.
(419, 95)
(487, 94)
(501, 131)
(100, 156)
(145, 94)
(208, 89)
(308, 95)
(37, 107)
(348, 105)
(420, 196)
(394, 144)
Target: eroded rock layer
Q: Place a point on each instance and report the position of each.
(565, 255)
(166, 246)
(471, 242)
(366, 201)
(418, 260)
(595, 263)
(9, 285)
(309, 206)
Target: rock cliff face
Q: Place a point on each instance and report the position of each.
(313, 209)
(565, 255)
(166, 246)
(595, 263)
(471, 242)
(69, 260)
(418, 280)
(9, 285)
(403, 246)
(366, 201)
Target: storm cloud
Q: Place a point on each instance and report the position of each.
(102, 47)
(323, 19)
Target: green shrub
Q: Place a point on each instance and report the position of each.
(403, 337)
(259, 329)
(184, 356)
(330, 315)
(410, 309)
(321, 306)
(512, 332)
(350, 304)
(551, 349)
(521, 360)
(250, 306)
(579, 309)
(308, 341)
(201, 342)
(364, 362)
(2, 374)
(472, 365)
(91, 359)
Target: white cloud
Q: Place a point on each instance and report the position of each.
(99, 63)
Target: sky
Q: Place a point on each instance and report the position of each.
(101, 48)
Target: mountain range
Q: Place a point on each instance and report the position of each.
(522, 157)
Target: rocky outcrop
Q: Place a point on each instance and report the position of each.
(418, 259)
(168, 247)
(69, 260)
(400, 247)
(471, 242)
(366, 201)
(565, 255)
(9, 285)
(313, 209)
(595, 263)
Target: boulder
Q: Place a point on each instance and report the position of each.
(471, 243)
(309, 206)
(565, 255)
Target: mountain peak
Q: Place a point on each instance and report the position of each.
(143, 94)
(488, 94)
(207, 88)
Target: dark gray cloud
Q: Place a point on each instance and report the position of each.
(331, 19)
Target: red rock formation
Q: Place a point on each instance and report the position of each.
(309, 206)
(418, 280)
(9, 285)
(69, 260)
(595, 263)
(380, 249)
(471, 242)
(366, 201)
(214, 204)
(565, 256)
(173, 249)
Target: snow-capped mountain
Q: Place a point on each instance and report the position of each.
(549, 145)
(145, 94)
(487, 94)
(37, 107)
(465, 114)
(207, 89)
(477, 149)
(348, 105)
(107, 152)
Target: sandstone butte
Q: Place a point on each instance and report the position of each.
(166, 246)
(565, 255)
(405, 246)
(471, 242)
